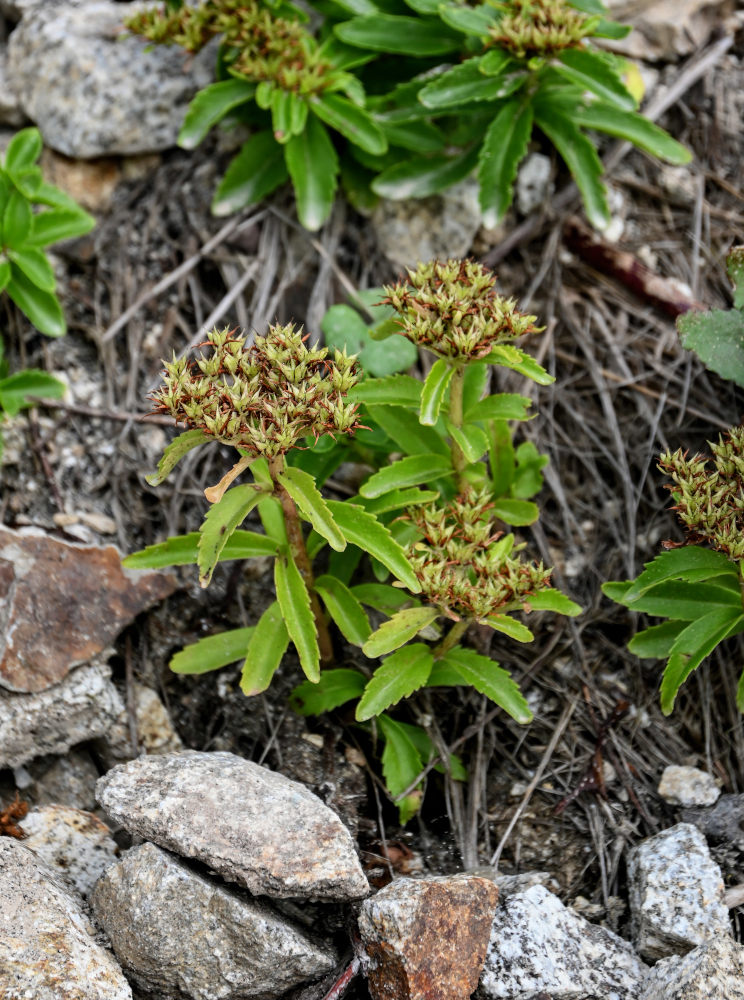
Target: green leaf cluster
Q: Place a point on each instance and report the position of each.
(404, 98)
(717, 335)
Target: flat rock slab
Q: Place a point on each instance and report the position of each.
(81, 707)
(676, 893)
(61, 604)
(233, 947)
(426, 939)
(712, 971)
(248, 823)
(74, 843)
(111, 95)
(538, 948)
(48, 947)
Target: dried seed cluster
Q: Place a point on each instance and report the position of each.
(710, 502)
(262, 399)
(453, 310)
(267, 47)
(541, 28)
(464, 566)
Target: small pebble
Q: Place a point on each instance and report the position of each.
(687, 786)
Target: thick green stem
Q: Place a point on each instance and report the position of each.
(459, 462)
(452, 638)
(296, 541)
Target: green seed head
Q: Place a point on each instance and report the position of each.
(540, 28)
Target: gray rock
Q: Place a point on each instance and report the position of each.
(676, 893)
(80, 707)
(712, 971)
(48, 948)
(440, 227)
(155, 732)
(248, 823)
(723, 823)
(92, 89)
(687, 786)
(231, 949)
(69, 780)
(538, 946)
(533, 182)
(10, 109)
(75, 844)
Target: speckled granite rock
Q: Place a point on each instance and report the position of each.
(248, 823)
(232, 948)
(48, 948)
(75, 844)
(81, 707)
(688, 786)
(539, 947)
(426, 938)
(676, 893)
(92, 89)
(712, 971)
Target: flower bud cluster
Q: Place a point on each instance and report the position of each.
(453, 310)
(465, 567)
(267, 47)
(262, 399)
(541, 28)
(710, 502)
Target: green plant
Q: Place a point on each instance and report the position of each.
(699, 590)
(717, 335)
(403, 99)
(19, 390)
(430, 514)
(33, 215)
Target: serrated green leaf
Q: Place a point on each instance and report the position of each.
(491, 680)
(344, 609)
(272, 518)
(411, 437)
(445, 674)
(59, 224)
(256, 171)
(470, 439)
(735, 271)
(210, 105)
(692, 563)
(404, 625)
(41, 308)
(351, 121)
(401, 761)
(422, 176)
(399, 498)
(400, 390)
(656, 641)
(381, 596)
(183, 550)
(510, 626)
(267, 646)
(365, 531)
(400, 675)
(19, 390)
(501, 406)
(591, 71)
(35, 265)
(418, 136)
(512, 357)
(633, 127)
(174, 452)
(469, 20)
(516, 512)
(691, 647)
(717, 337)
(301, 487)
(580, 156)
(294, 600)
(212, 652)
(433, 391)
(335, 688)
(464, 84)
(219, 523)
(408, 471)
(504, 147)
(398, 35)
(553, 600)
(685, 601)
(313, 167)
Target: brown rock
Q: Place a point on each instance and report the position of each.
(61, 604)
(426, 939)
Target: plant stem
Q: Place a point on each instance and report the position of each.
(297, 548)
(459, 461)
(454, 635)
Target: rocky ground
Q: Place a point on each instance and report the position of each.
(617, 877)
